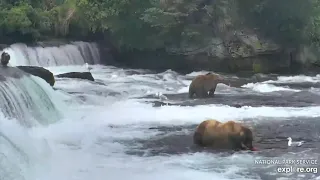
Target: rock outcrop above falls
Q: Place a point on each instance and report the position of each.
(78, 75)
(39, 72)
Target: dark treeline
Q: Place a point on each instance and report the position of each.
(176, 26)
(159, 23)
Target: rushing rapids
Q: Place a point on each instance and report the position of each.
(118, 127)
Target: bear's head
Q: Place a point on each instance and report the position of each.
(246, 139)
(216, 77)
(5, 57)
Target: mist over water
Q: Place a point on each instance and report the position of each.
(113, 128)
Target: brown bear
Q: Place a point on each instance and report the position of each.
(204, 86)
(228, 135)
(5, 58)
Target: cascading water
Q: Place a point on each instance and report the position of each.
(76, 53)
(13, 160)
(18, 151)
(27, 101)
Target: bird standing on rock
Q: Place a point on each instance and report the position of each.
(87, 66)
(161, 96)
(290, 143)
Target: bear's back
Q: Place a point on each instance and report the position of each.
(207, 125)
(231, 127)
(213, 131)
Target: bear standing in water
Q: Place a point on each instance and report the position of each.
(204, 86)
(229, 135)
(5, 58)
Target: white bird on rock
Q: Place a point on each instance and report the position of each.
(290, 143)
(87, 66)
(161, 96)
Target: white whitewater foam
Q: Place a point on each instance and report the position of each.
(33, 102)
(167, 115)
(77, 53)
(315, 90)
(92, 140)
(295, 79)
(101, 155)
(264, 88)
(19, 151)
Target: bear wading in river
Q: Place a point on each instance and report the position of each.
(204, 86)
(5, 58)
(229, 135)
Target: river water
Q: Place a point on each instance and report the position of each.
(119, 128)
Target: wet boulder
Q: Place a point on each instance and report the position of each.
(78, 75)
(40, 72)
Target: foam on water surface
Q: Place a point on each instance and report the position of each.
(89, 133)
(265, 88)
(296, 79)
(92, 139)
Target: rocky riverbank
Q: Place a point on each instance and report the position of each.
(270, 58)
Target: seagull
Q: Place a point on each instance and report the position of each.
(161, 96)
(87, 66)
(290, 143)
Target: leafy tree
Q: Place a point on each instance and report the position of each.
(179, 26)
(285, 21)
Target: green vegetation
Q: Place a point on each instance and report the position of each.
(180, 26)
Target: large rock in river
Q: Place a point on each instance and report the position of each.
(79, 75)
(40, 72)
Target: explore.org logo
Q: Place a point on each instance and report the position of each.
(291, 165)
(293, 169)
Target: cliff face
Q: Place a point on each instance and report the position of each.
(241, 50)
(224, 43)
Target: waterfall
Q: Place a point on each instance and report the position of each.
(19, 152)
(13, 160)
(26, 100)
(76, 53)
